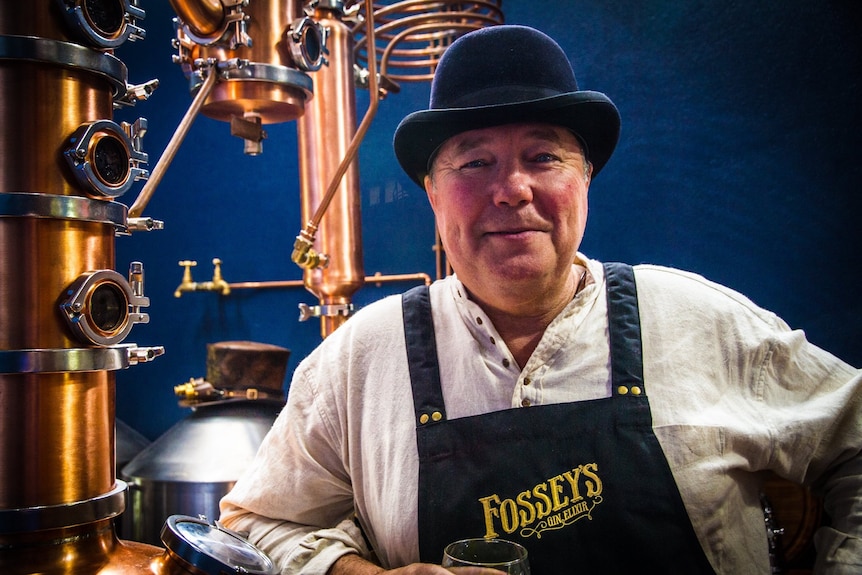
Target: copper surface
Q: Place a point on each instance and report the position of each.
(31, 19)
(40, 107)
(267, 21)
(274, 103)
(91, 549)
(411, 35)
(325, 132)
(39, 258)
(203, 17)
(56, 428)
(56, 438)
(799, 513)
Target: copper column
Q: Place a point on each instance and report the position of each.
(58, 492)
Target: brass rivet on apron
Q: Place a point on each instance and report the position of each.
(525, 402)
(636, 391)
(622, 390)
(423, 419)
(436, 416)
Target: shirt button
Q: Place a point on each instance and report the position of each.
(479, 320)
(505, 362)
(493, 341)
(527, 381)
(525, 402)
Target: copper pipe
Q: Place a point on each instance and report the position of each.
(326, 138)
(204, 17)
(353, 148)
(426, 28)
(435, 53)
(377, 278)
(174, 144)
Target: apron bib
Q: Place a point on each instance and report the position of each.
(584, 486)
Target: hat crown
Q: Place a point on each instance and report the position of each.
(501, 65)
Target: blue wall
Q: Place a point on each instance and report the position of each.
(738, 159)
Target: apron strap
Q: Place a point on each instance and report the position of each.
(422, 356)
(624, 329)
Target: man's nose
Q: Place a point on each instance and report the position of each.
(512, 187)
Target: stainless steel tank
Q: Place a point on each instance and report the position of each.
(190, 467)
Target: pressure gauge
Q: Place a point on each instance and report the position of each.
(102, 306)
(104, 158)
(201, 547)
(104, 23)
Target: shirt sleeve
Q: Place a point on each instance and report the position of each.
(819, 441)
(737, 393)
(295, 502)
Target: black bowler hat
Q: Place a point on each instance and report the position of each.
(503, 75)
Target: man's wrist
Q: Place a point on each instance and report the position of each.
(353, 564)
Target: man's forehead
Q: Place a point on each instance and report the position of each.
(469, 140)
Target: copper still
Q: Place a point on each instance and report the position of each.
(285, 60)
(64, 311)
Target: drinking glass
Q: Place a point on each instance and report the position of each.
(498, 554)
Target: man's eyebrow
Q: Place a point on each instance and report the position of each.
(467, 143)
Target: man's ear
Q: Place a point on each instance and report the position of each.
(429, 190)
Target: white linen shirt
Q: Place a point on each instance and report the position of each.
(732, 389)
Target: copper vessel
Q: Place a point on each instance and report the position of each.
(62, 163)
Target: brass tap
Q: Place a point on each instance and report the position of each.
(186, 284)
(218, 283)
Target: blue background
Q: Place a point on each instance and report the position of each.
(738, 160)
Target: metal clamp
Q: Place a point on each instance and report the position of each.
(105, 28)
(106, 157)
(305, 41)
(231, 31)
(68, 55)
(307, 312)
(102, 306)
(76, 359)
(42, 517)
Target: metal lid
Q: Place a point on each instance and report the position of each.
(213, 549)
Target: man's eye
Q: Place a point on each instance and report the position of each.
(474, 164)
(545, 158)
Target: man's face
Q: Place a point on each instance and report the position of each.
(511, 205)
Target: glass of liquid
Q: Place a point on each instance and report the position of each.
(494, 554)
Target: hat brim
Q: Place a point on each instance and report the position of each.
(590, 115)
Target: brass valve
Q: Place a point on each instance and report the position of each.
(304, 255)
(186, 284)
(218, 283)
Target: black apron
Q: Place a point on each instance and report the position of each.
(584, 486)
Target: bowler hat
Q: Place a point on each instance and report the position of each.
(504, 75)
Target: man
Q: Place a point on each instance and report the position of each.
(610, 419)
